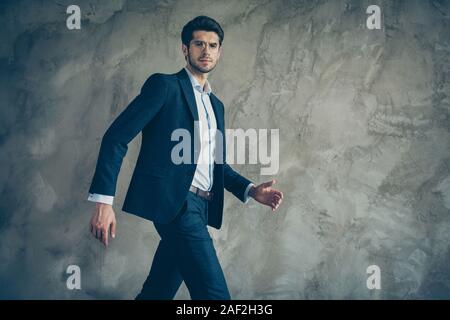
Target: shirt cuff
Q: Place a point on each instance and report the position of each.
(95, 197)
(246, 196)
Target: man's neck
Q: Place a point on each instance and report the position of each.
(201, 77)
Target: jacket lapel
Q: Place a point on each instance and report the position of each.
(188, 92)
(186, 86)
(217, 112)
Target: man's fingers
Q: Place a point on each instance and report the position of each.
(276, 203)
(98, 233)
(113, 229)
(103, 223)
(273, 205)
(276, 200)
(278, 193)
(105, 236)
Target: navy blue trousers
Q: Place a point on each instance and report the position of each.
(186, 252)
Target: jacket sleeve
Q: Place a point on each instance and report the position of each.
(235, 183)
(125, 127)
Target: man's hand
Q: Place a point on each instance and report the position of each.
(266, 195)
(102, 219)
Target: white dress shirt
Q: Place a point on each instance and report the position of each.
(203, 177)
(204, 173)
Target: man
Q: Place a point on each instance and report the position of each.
(181, 199)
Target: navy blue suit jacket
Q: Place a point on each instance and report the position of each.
(159, 187)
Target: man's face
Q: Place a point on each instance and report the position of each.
(203, 52)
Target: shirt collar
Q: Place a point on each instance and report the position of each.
(197, 85)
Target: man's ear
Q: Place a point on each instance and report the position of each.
(220, 52)
(185, 50)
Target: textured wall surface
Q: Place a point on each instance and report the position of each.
(364, 144)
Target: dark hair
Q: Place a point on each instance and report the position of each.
(203, 23)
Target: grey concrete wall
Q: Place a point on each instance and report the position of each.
(364, 144)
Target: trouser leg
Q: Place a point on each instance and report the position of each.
(164, 278)
(201, 270)
(186, 252)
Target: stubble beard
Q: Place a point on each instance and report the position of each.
(198, 68)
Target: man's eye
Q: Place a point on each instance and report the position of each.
(213, 45)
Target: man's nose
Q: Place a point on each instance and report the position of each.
(206, 48)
